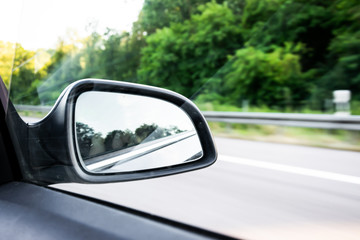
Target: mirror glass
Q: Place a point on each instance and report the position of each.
(119, 132)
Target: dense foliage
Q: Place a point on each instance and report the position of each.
(282, 54)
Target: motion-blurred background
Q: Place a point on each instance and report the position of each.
(278, 80)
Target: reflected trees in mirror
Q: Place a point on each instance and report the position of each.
(92, 144)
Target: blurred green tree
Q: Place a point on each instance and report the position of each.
(183, 56)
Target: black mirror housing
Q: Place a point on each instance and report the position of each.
(48, 152)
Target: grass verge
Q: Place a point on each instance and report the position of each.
(335, 139)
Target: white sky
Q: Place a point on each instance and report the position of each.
(39, 23)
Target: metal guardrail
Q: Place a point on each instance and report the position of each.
(31, 108)
(325, 121)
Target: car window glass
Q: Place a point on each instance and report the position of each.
(272, 65)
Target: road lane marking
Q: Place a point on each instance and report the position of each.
(291, 169)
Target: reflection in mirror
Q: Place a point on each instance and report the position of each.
(119, 132)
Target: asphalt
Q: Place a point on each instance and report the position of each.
(255, 190)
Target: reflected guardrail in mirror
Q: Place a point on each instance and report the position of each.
(126, 155)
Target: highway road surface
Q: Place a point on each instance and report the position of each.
(255, 190)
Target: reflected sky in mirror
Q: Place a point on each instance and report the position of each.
(106, 111)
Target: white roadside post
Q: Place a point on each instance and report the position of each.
(342, 102)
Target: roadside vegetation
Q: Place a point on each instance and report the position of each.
(235, 55)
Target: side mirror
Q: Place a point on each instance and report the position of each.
(121, 132)
(107, 131)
